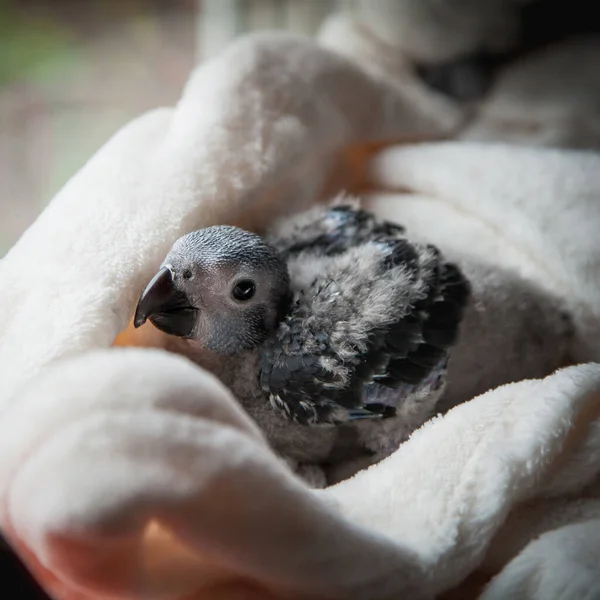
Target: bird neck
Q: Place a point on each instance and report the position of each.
(229, 369)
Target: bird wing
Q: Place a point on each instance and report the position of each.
(329, 230)
(384, 312)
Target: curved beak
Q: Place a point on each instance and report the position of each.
(167, 308)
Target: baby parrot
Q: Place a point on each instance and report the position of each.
(333, 330)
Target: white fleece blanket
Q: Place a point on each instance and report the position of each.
(131, 473)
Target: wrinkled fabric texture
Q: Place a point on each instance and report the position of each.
(131, 473)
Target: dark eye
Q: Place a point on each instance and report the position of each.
(244, 290)
(187, 274)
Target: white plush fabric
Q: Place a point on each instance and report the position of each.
(548, 98)
(131, 473)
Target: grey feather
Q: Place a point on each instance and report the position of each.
(362, 320)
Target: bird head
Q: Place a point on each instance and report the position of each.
(223, 286)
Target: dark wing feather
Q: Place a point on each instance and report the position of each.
(329, 230)
(435, 322)
(381, 313)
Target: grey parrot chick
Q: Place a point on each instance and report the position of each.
(333, 330)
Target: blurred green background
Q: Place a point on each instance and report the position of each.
(72, 72)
